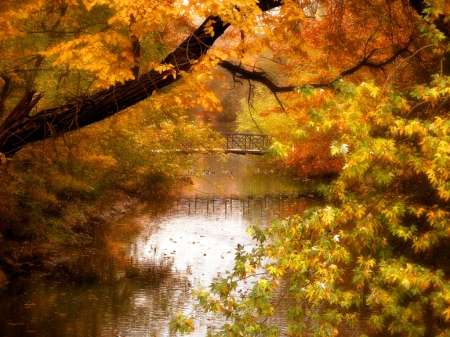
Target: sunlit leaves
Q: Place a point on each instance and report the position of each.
(14, 16)
(182, 324)
(134, 154)
(369, 247)
(343, 149)
(359, 254)
(279, 149)
(92, 53)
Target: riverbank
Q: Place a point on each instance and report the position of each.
(20, 258)
(140, 269)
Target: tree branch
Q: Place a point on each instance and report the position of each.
(4, 93)
(62, 119)
(257, 76)
(261, 77)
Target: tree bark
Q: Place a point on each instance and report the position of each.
(4, 93)
(24, 128)
(17, 132)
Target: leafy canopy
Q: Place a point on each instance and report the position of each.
(366, 82)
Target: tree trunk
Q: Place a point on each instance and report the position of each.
(16, 132)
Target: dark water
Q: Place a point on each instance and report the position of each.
(132, 281)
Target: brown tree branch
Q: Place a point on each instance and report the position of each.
(57, 121)
(4, 93)
(256, 76)
(261, 77)
(21, 110)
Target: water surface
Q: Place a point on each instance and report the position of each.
(131, 282)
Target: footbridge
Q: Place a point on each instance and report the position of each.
(245, 143)
(238, 143)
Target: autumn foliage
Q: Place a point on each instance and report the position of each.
(355, 88)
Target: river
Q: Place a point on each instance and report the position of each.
(144, 267)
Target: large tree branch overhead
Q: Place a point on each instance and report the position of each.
(261, 77)
(22, 128)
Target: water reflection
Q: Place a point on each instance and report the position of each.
(144, 269)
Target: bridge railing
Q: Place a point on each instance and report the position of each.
(245, 142)
(239, 143)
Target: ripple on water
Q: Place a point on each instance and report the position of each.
(133, 285)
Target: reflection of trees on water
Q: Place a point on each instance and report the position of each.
(252, 209)
(102, 290)
(247, 185)
(237, 175)
(103, 309)
(125, 285)
(123, 297)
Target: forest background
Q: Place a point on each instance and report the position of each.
(358, 90)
